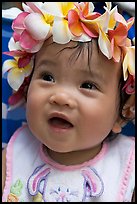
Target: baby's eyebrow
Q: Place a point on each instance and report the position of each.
(94, 75)
(44, 62)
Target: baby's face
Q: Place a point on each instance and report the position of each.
(69, 105)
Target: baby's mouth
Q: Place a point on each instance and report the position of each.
(61, 123)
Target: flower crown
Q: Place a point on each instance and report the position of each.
(66, 21)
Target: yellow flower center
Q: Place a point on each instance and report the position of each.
(48, 19)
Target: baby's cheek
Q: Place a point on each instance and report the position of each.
(30, 111)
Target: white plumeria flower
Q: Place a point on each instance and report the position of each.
(15, 74)
(60, 30)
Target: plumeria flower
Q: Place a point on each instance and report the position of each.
(95, 25)
(31, 38)
(60, 30)
(107, 21)
(118, 36)
(79, 19)
(16, 74)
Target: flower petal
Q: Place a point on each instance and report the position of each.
(85, 9)
(130, 22)
(53, 8)
(28, 69)
(104, 44)
(129, 62)
(121, 34)
(125, 66)
(112, 21)
(60, 30)
(116, 53)
(101, 21)
(74, 24)
(131, 57)
(26, 8)
(119, 18)
(18, 22)
(12, 45)
(42, 29)
(16, 36)
(66, 6)
(24, 60)
(35, 6)
(26, 41)
(7, 65)
(109, 5)
(83, 38)
(58, 9)
(15, 98)
(37, 47)
(90, 7)
(90, 29)
(15, 78)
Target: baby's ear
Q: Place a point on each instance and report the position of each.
(128, 112)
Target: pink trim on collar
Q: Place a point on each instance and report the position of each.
(127, 173)
(9, 157)
(47, 159)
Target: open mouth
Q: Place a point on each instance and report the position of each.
(61, 123)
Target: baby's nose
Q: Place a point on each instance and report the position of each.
(63, 99)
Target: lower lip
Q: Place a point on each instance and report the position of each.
(59, 129)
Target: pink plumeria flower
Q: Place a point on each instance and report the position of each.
(23, 37)
(16, 75)
(85, 20)
(80, 19)
(24, 26)
(118, 36)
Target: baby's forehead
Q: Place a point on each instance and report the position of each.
(84, 56)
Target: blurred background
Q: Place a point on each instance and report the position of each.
(7, 5)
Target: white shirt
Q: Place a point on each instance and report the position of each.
(33, 176)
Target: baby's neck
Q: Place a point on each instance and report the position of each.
(74, 157)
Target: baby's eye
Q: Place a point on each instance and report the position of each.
(88, 85)
(48, 77)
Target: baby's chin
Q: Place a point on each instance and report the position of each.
(58, 149)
